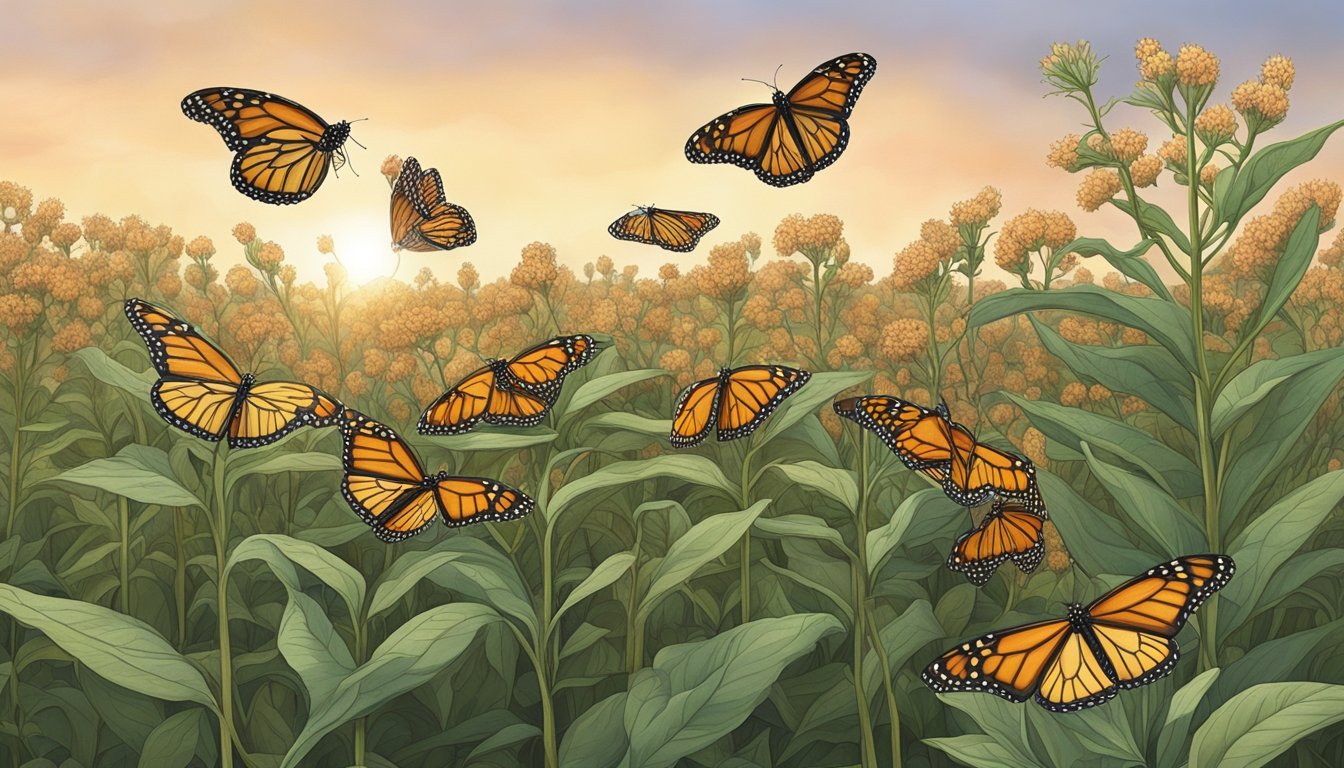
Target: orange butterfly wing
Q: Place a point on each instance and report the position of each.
(467, 500)
(977, 471)
(693, 415)
(751, 393)
(917, 435)
(1007, 664)
(422, 218)
(1011, 531)
(461, 407)
(670, 230)
(384, 482)
(542, 369)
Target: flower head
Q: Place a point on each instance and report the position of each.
(537, 270)
(1097, 188)
(1216, 125)
(1196, 67)
(1145, 170)
(244, 233)
(325, 245)
(1278, 71)
(905, 338)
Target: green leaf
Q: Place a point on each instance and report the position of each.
(242, 465)
(413, 654)
(629, 422)
(494, 439)
(1155, 219)
(1003, 721)
(597, 738)
(686, 467)
(1167, 523)
(1259, 380)
(1298, 252)
(882, 541)
(839, 484)
(821, 389)
(312, 647)
(980, 751)
(1276, 659)
(1260, 723)
(1263, 170)
(1171, 470)
(109, 371)
(1129, 263)
(482, 573)
(1273, 428)
(697, 692)
(1271, 538)
(603, 576)
(1144, 370)
(1165, 322)
(598, 388)
(173, 743)
(955, 606)
(406, 571)
(705, 541)
(129, 474)
(119, 648)
(798, 526)
(347, 582)
(1094, 539)
(1172, 741)
(901, 638)
(582, 638)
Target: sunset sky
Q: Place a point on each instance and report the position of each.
(549, 120)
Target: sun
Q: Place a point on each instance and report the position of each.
(365, 252)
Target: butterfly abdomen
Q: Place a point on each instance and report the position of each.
(334, 137)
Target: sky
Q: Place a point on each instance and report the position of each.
(548, 120)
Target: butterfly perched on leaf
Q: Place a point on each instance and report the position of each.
(737, 402)
(927, 440)
(670, 230)
(387, 487)
(1124, 639)
(1010, 531)
(422, 218)
(799, 133)
(202, 392)
(510, 392)
(282, 150)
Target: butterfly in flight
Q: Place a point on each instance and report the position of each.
(282, 150)
(670, 230)
(422, 218)
(387, 487)
(797, 134)
(1010, 531)
(927, 440)
(737, 402)
(514, 392)
(1124, 639)
(202, 392)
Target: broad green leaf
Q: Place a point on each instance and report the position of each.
(953, 610)
(1289, 268)
(312, 647)
(174, 742)
(413, 654)
(243, 465)
(505, 737)
(121, 649)
(821, 389)
(799, 526)
(882, 541)
(901, 638)
(598, 388)
(1172, 471)
(407, 570)
(1144, 370)
(705, 541)
(1096, 540)
(347, 582)
(685, 467)
(1298, 570)
(1129, 263)
(1271, 538)
(1156, 219)
(597, 738)
(482, 573)
(1260, 723)
(601, 577)
(1273, 428)
(631, 422)
(1263, 170)
(109, 371)
(489, 439)
(1165, 322)
(1004, 721)
(839, 484)
(1173, 741)
(981, 751)
(127, 475)
(696, 692)
(582, 638)
(1167, 523)
(1100, 731)
(1253, 385)
(1279, 658)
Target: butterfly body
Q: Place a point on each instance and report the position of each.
(202, 392)
(736, 402)
(1124, 639)
(282, 149)
(797, 134)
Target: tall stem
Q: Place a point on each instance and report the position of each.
(20, 374)
(816, 300)
(180, 576)
(745, 565)
(634, 631)
(361, 656)
(222, 609)
(859, 584)
(124, 520)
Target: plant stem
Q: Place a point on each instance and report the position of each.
(222, 608)
(180, 576)
(20, 374)
(745, 577)
(859, 571)
(816, 300)
(361, 656)
(892, 712)
(634, 631)
(124, 595)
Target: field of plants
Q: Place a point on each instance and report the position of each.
(166, 601)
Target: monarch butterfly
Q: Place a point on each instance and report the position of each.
(799, 133)
(669, 230)
(511, 393)
(200, 391)
(929, 441)
(1124, 639)
(737, 401)
(386, 486)
(1011, 531)
(282, 150)
(422, 219)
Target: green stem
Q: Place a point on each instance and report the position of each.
(816, 300)
(634, 631)
(180, 576)
(859, 578)
(222, 608)
(893, 713)
(124, 595)
(745, 565)
(361, 656)
(20, 374)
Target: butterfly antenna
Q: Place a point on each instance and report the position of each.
(775, 79)
(762, 82)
